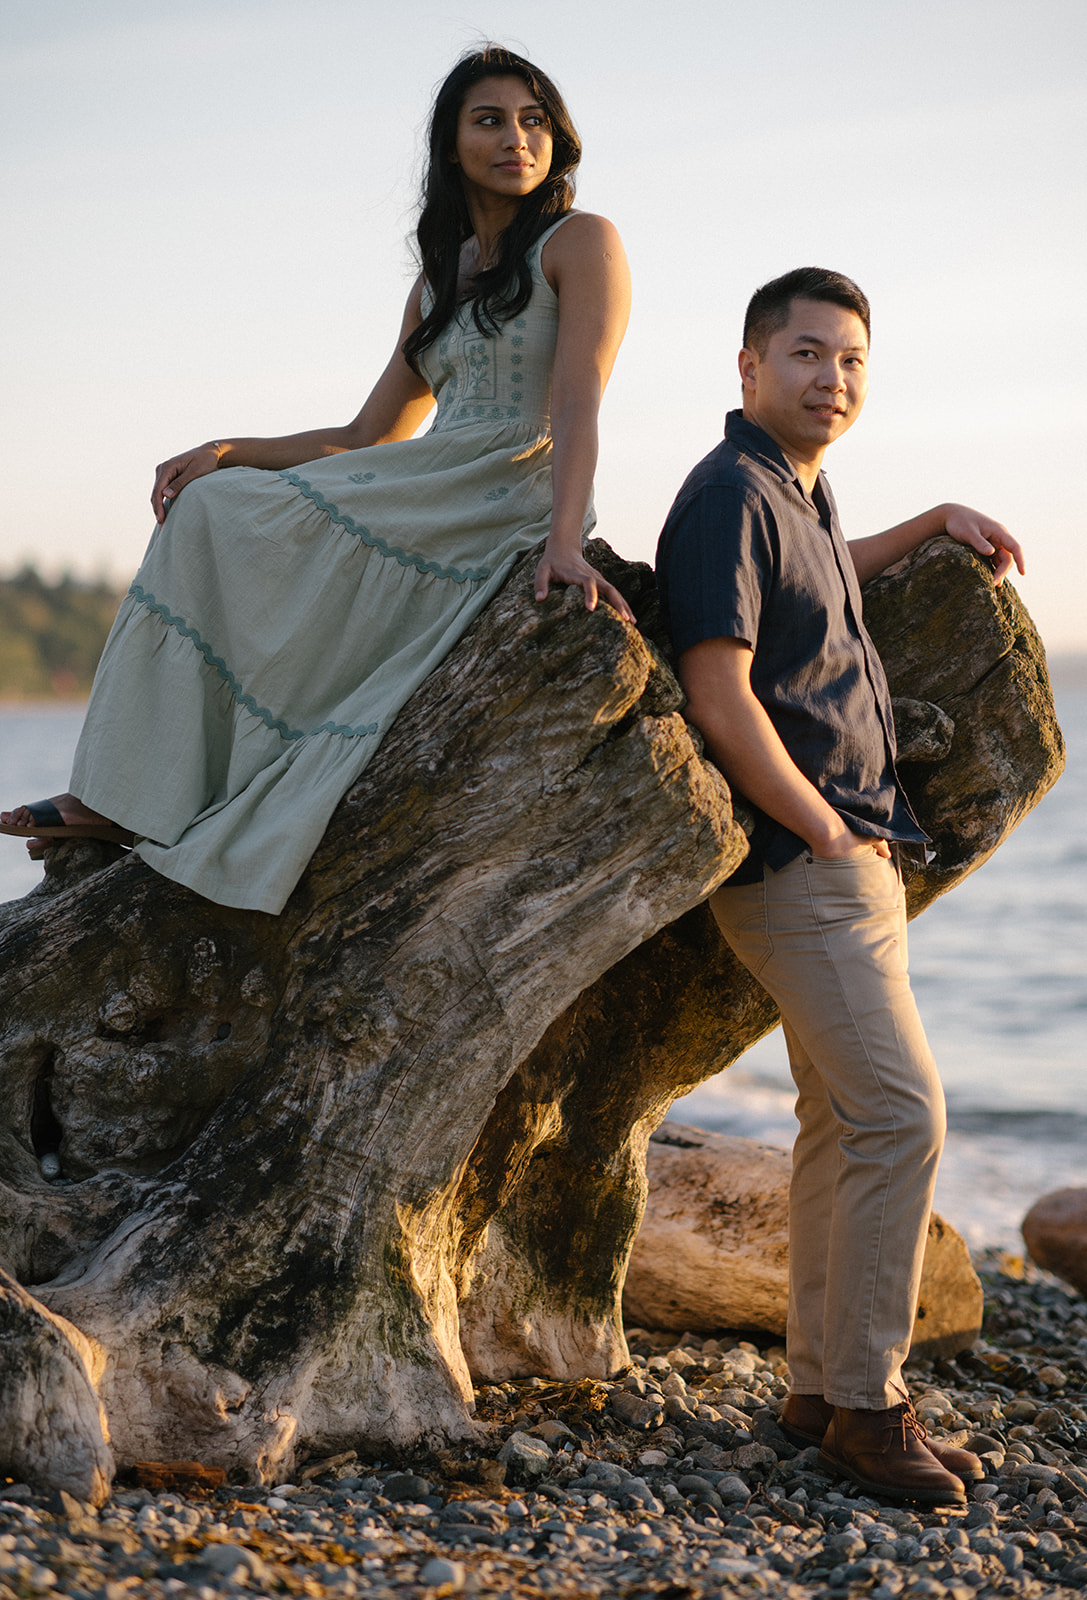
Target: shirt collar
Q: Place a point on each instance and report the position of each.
(752, 439)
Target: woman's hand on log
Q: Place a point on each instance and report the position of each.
(570, 569)
(172, 476)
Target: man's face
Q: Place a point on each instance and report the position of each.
(809, 384)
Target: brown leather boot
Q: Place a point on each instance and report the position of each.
(805, 1419)
(884, 1453)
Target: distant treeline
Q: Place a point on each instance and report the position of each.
(51, 634)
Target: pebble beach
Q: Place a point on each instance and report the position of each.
(672, 1481)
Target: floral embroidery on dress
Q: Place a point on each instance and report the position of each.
(482, 378)
(361, 477)
(496, 494)
(487, 380)
(464, 413)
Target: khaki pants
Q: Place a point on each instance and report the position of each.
(827, 939)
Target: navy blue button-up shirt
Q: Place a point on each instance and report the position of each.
(746, 553)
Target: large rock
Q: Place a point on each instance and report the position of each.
(1055, 1233)
(713, 1250)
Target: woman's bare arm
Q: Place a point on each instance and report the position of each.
(586, 266)
(395, 407)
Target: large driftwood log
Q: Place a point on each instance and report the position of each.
(315, 1169)
(713, 1248)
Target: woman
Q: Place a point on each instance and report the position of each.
(287, 608)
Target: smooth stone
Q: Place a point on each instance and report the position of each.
(405, 1486)
(525, 1456)
(551, 1431)
(440, 1573)
(846, 1546)
(635, 1411)
(1055, 1234)
(226, 1559)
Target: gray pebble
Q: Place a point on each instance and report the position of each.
(228, 1559)
(640, 1539)
(635, 1411)
(692, 1482)
(732, 1490)
(1011, 1558)
(846, 1546)
(405, 1486)
(525, 1457)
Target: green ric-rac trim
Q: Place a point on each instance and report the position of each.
(276, 724)
(405, 558)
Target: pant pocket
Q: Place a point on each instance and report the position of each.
(851, 886)
(740, 914)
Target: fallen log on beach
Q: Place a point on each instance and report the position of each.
(274, 1184)
(713, 1248)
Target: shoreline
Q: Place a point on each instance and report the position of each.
(44, 702)
(1067, 670)
(672, 1481)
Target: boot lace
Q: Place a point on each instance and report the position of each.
(907, 1420)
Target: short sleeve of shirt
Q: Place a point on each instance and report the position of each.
(715, 563)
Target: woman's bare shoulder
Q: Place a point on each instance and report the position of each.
(584, 238)
(584, 230)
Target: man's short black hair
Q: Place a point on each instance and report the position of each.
(770, 306)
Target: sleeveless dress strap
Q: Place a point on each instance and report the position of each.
(536, 249)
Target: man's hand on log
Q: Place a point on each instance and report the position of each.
(987, 537)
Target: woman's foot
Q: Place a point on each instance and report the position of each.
(62, 817)
(73, 812)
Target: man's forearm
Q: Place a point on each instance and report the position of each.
(988, 537)
(747, 747)
(753, 759)
(881, 550)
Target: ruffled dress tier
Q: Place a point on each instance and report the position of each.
(281, 619)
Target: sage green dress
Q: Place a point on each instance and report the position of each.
(281, 619)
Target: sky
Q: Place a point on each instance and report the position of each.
(207, 212)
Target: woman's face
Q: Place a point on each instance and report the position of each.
(503, 139)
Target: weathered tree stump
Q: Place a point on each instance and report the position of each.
(315, 1169)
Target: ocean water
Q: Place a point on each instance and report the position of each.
(999, 969)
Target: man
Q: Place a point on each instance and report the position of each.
(762, 598)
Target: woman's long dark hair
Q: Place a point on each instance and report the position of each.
(501, 291)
